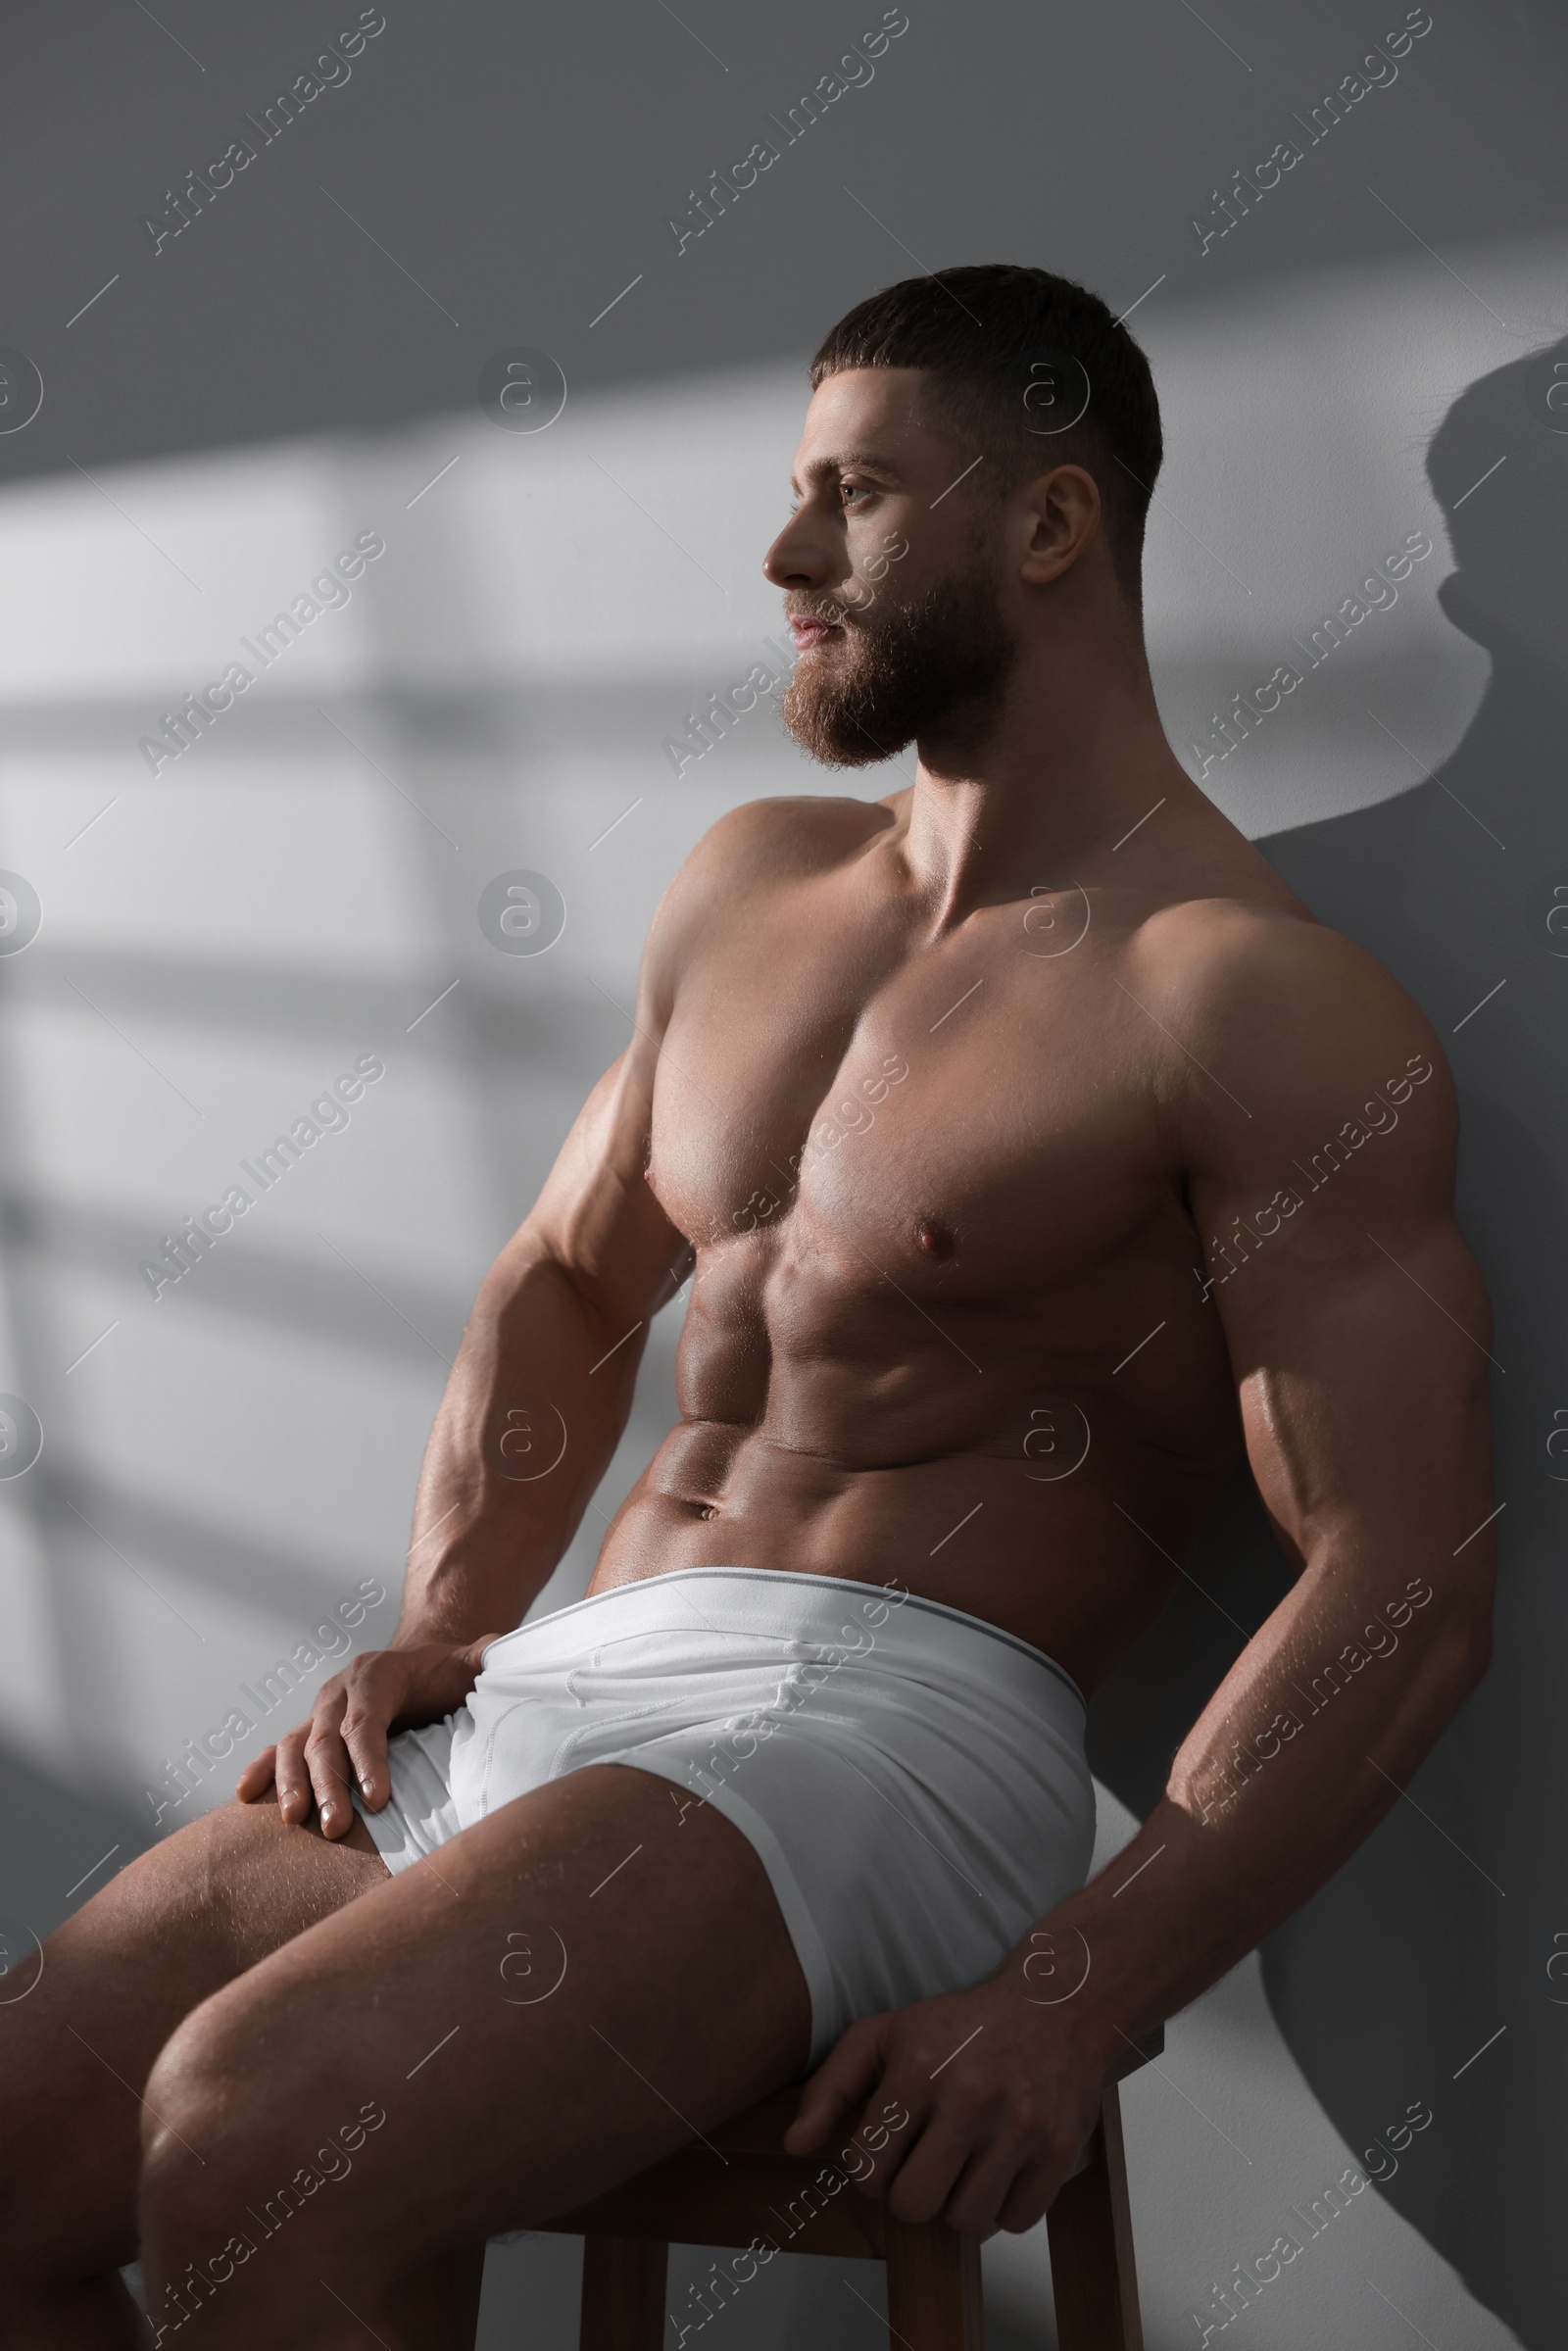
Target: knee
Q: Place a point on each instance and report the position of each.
(192, 2119)
(229, 2114)
(219, 2114)
(227, 2121)
(212, 2117)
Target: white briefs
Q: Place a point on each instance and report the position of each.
(912, 1779)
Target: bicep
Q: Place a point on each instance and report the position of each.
(1361, 1359)
(1356, 1323)
(598, 1211)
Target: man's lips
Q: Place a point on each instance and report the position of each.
(808, 631)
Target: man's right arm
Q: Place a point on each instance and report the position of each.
(534, 1408)
(543, 1383)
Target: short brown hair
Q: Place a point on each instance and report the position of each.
(989, 337)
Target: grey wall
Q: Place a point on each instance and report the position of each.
(1369, 351)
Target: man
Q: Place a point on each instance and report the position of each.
(1031, 1149)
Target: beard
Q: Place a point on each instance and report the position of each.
(859, 698)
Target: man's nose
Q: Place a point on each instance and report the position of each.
(800, 556)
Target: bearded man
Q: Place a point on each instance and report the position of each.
(1032, 1152)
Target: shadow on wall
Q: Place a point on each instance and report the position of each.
(1438, 1934)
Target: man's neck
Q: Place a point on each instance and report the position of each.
(1038, 787)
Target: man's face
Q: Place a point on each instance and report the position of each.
(892, 569)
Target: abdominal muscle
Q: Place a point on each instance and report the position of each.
(1038, 1548)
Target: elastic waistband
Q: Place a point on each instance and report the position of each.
(809, 1596)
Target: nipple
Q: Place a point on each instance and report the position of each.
(934, 1238)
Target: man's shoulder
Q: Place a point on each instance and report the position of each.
(751, 852)
(1219, 947)
(789, 832)
(1271, 1011)
(765, 844)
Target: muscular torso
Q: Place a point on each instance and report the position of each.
(946, 1322)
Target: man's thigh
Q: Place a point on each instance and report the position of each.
(560, 1995)
(76, 2047)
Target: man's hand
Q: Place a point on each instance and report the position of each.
(347, 1731)
(1001, 2094)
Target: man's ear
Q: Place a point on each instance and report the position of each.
(1062, 511)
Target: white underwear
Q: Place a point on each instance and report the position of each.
(912, 1780)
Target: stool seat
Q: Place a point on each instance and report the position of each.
(805, 2204)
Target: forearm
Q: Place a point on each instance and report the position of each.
(531, 1416)
(1294, 1760)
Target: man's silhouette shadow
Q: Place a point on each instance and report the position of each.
(1443, 1927)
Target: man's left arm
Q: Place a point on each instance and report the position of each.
(1359, 1337)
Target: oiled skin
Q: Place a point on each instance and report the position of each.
(849, 1395)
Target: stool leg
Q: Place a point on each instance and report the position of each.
(1092, 2269)
(623, 2293)
(935, 2301)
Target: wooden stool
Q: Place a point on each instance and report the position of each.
(933, 2272)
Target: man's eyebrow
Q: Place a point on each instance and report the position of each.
(867, 460)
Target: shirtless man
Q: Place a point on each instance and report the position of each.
(1034, 1150)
